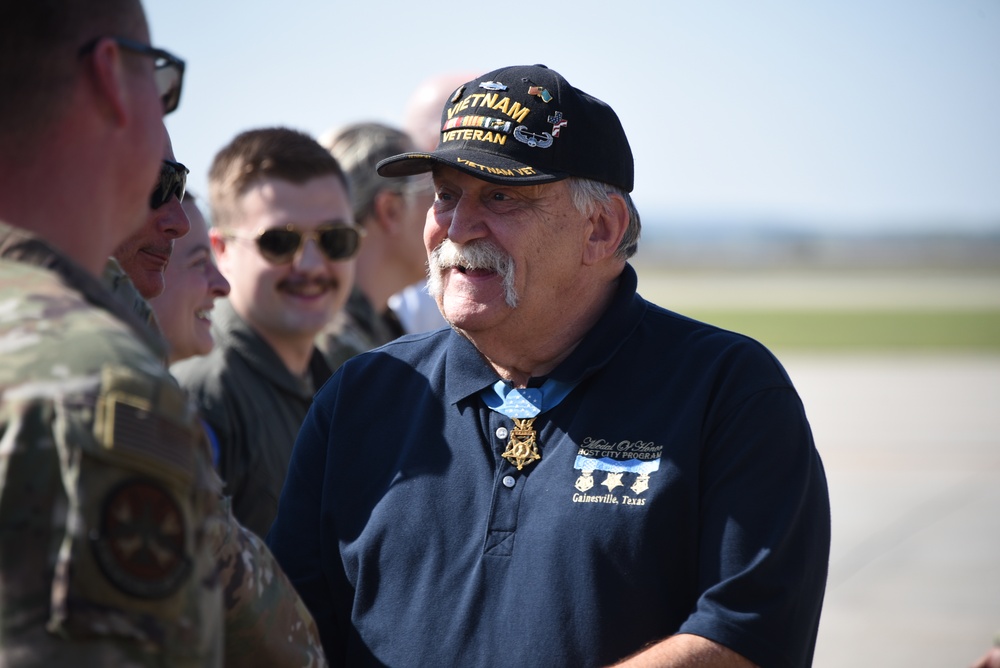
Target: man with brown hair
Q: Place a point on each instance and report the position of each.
(105, 489)
(285, 239)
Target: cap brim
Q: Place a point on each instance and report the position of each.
(482, 165)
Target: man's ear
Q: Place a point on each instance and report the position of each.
(607, 228)
(218, 241)
(388, 208)
(107, 73)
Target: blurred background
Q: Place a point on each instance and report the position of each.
(823, 176)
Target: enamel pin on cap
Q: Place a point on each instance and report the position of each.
(525, 125)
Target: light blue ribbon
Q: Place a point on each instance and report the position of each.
(525, 402)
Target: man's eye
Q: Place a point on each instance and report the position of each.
(499, 197)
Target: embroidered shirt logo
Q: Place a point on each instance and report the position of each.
(627, 467)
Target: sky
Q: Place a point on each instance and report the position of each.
(832, 115)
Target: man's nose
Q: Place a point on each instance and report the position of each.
(173, 221)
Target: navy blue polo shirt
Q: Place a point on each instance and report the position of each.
(679, 490)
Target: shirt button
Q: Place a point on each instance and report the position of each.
(508, 481)
(501, 432)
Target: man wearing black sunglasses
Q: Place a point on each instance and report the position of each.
(265, 621)
(285, 240)
(105, 490)
(145, 254)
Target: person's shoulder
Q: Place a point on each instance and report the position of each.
(342, 339)
(220, 380)
(203, 371)
(410, 353)
(42, 319)
(413, 348)
(710, 345)
(28, 290)
(124, 290)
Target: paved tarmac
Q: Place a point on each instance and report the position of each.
(911, 446)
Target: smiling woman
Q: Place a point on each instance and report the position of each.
(192, 284)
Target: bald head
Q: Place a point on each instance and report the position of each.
(422, 117)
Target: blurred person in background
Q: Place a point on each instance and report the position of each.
(992, 657)
(392, 255)
(415, 308)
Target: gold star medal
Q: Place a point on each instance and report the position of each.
(522, 448)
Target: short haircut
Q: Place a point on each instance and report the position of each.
(358, 148)
(40, 43)
(255, 155)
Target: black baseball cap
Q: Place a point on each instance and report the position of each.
(525, 125)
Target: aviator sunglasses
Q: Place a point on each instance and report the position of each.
(280, 245)
(172, 182)
(168, 68)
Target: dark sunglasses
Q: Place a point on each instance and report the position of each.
(168, 68)
(172, 182)
(280, 245)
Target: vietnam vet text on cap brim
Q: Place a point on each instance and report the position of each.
(525, 125)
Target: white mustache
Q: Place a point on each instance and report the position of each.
(474, 255)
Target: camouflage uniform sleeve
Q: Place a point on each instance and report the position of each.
(267, 624)
(104, 502)
(124, 290)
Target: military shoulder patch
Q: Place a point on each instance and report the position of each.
(141, 544)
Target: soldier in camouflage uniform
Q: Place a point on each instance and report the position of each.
(266, 623)
(106, 495)
(105, 491)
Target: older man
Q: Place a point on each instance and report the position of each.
(135, 272)
(105, 492)
(571, 475)
(144, 255)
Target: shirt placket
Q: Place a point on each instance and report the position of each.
(508, 486)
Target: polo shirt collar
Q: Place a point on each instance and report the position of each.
(467, 372)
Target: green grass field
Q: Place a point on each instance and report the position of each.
(903, 330)
(840, 312)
